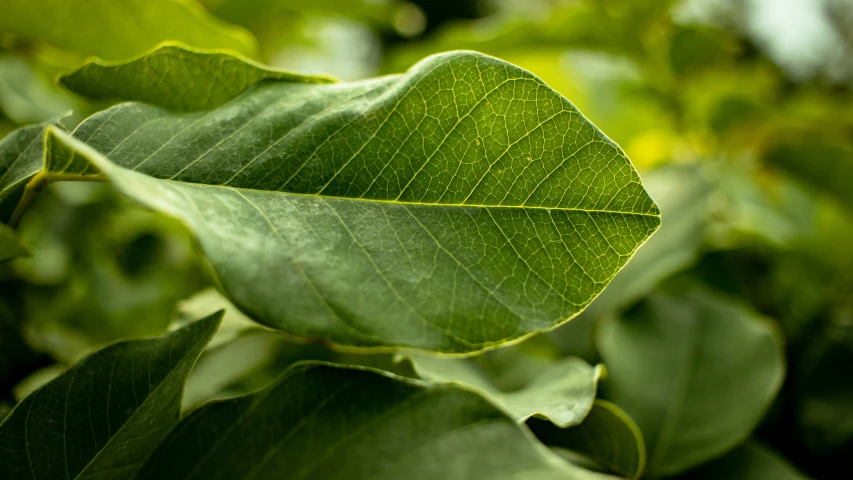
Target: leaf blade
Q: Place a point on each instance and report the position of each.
(112, 439)
(355, 433)
(175, 76)
(678, 408)
(318, 191)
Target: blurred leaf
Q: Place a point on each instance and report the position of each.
(346, 220)
(826, 168)
(693, 48)
(695, 372)
(607, 436)
(562, 393)
(116, 30)
(748, 462)
(21, 154)
(10, 245)
(321, 421)
(825, 388)
(100, 271)
(28, 97)
(175, 76)
(92, 422)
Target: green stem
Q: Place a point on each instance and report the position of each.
(43, 179)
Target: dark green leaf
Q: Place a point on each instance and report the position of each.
(104, 416)
(510, 210)
(607, 436)
(327, 422)
(175, 76)
(827, 168)
(695, 372)
(748, 462)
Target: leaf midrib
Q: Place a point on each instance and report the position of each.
(397, 202)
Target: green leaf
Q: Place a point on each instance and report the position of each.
(695, 372)
(321, 421)
(116, 30)
(826, 168)
(751, 461)
(175, 76)
(561, 393)
(21, 157)
(607, 436)
(452, 209)
(10, 245)
(27, 97)
(104, 416)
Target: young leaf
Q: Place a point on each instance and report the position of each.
(105, 415)
(509, 210)
(176, 76)
(321, 421)
(695, 372)
(116, 30)
(607, 436)
(751, 461)
(562, 393)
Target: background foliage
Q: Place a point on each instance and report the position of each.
(727, 340)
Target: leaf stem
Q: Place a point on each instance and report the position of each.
(43, 179)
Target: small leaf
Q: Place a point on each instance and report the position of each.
(103, 416)
(562, 393)
(10, 245)
(607, 436)
(115, 30)
(21, 157)
(748, 462)
(176, 76)
(321, 421)
(695, 372)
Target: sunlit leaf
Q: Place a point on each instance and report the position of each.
(116, 30)
(103, 417)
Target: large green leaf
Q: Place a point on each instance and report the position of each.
(454, 208)
(751, 461)
(327, 422)
(561, 393)
(607, 436)
(695, 372)
(175, 76)
(103, 417)
(115, 30)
